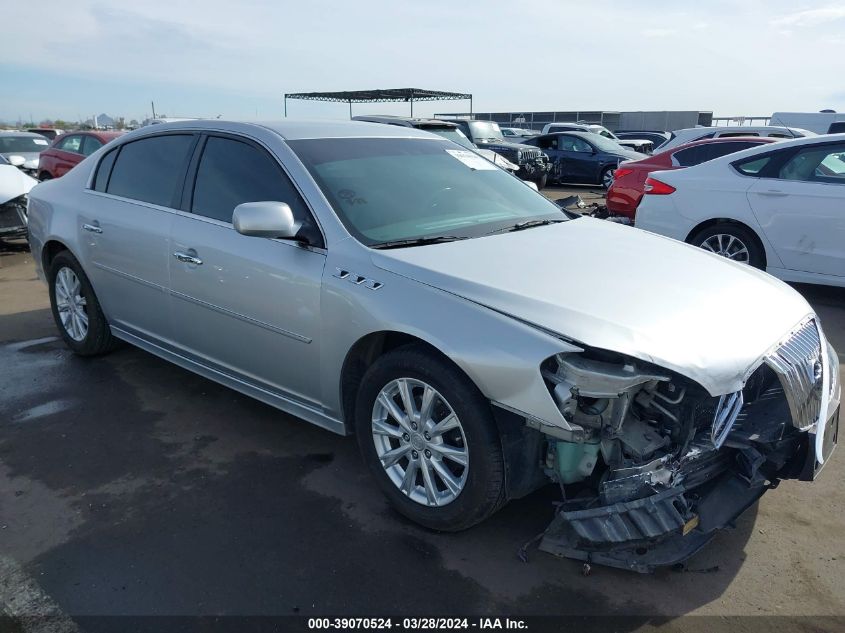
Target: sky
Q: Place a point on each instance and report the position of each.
(237, 59)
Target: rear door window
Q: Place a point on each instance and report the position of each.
(104, 170)
(824, 163)
(151, 169)
(72, 143)
(232, 172)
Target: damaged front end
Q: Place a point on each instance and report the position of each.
(653, 465)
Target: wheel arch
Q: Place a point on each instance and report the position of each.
(364, 352)
(49, 250)
(706, 224)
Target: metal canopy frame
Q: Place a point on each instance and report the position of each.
(389, 95)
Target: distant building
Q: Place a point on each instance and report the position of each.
(667, 120)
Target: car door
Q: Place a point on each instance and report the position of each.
(579, 157)
(801, 208)
(124, 231)
(249, 307)
(68, 153)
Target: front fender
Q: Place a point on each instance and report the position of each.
(501, 355)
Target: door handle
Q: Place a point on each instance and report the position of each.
(187, 258)
(773, 192)
(93, 228)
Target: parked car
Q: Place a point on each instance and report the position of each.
(679, 137)
(445, 129)
(14, 187)
(385, 282)
(818, 122)
(516, 133)
(49, 133)
(656, 137)
(836, 128)
(628, 184)
(69, 150)
(777, 207)
(583, 157)
(23, 145)
(642, 145)
(533, 164)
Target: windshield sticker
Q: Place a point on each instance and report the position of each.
(471, 159)
(39, 141)
(351, 197)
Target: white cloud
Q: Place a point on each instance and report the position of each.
(659, 32)
(810, 17)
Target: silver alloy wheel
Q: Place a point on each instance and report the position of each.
(607, 178)
(71, 304)
(420, 442)
(728, 246)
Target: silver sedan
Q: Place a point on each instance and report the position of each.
(479, 342)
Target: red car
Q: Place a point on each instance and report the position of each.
(69, 150)
(626, 190)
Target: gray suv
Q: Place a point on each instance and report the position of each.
(383, 282)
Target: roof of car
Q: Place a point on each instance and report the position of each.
(17, 133)
(760, 140)
(392, 119)
(292, 129)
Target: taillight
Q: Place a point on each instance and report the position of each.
(622, 171)
(655, 187)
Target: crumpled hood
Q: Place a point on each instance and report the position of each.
(619, 288)
(14, 183)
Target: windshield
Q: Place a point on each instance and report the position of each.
(23, 144)
(387, 189)
(605, 144)
(485, 130)
(453, 134)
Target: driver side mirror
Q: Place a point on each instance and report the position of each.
(265, 219)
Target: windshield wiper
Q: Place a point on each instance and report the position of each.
(417, 241)
(527, 224)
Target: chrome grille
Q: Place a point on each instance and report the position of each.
(530, 154)
(798, 363)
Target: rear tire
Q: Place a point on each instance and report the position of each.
(425, 484)
(76, 310)
(732, 241)
(607, 177)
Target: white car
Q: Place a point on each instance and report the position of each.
(688, 135)
(778, 207)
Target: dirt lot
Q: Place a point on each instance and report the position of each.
(130, 486)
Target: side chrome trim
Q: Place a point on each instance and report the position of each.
(274, 399)
(124, 275)
(242, 317)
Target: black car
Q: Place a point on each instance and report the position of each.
(583, 157)
(533, 164)
(656, 137)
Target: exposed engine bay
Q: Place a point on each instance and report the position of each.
(653, 465)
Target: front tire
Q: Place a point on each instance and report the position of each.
(76, 310)
(428, 436)
(542, 181)
(733, 242)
